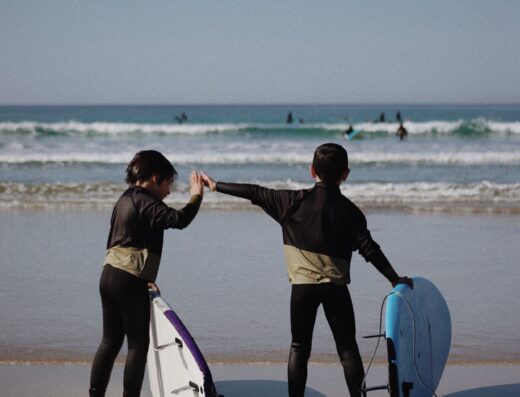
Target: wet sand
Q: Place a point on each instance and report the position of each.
(256, 380)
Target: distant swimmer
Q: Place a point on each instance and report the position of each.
(401, 132)
(289, 118)
(382, 117)
(301, 120)
(182, 118)
(398, 117)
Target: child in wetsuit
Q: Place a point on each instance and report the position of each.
(321, 228)
(133, 255)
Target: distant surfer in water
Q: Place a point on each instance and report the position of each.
(289, 118)
(321, 228)
(401, 132)
(134, 248)
(182, 118)
(348, 131)
(398, 117)
(382, 117)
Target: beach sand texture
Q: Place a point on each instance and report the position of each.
(481, 353)
(18, 380)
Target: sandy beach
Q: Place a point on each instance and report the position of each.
(257, 380)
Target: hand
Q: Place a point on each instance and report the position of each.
(196, 184)
(209, 182)
(404, 280)
(154, 287)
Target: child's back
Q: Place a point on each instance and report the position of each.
(321, 228)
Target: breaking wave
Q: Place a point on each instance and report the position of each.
(73, 128)
(266, 157)
(421, 195)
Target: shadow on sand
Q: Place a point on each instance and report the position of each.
(490, 391)
(258, 388)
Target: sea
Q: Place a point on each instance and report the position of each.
(443, 203)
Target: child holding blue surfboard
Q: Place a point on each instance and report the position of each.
(321, 228)
(134, 249)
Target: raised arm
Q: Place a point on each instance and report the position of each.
(159, 215)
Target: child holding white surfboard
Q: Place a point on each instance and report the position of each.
(321, 228)
(134, 248)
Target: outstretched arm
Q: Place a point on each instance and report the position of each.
(274, 202)
(243, 190)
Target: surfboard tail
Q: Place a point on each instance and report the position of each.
(175, 363)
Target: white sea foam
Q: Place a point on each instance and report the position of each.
(434, 192)
(268, 157)
(106, 128)
(513, 127)
(411, 126)
(112, 128)
(434, 126)
(440, 195)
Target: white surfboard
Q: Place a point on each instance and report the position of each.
(176, 366)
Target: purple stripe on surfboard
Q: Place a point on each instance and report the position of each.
(190, 344)
(188, 339)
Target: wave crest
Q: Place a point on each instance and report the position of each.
(240, 157)
(464, 127)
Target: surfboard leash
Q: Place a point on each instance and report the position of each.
(378, 338)
(414, 340)
(398, 294)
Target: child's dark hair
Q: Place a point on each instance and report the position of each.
(330, 162)
(147, 163)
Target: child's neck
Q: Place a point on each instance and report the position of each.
(318, 180)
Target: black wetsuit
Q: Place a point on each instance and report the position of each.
(320, 226)
(138, 220)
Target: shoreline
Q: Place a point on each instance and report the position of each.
(423, 208)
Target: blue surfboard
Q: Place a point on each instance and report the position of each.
(353, 134)
(418, 333)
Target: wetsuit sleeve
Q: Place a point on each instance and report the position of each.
(274, 202)
(160, 216)
(371, 251)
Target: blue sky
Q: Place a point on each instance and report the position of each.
(212, 52)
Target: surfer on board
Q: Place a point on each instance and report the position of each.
(134, 248)
(321, 228)
(347, 132)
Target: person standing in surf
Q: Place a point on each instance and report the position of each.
(134, 248)
(401, 132)
(321, 228)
